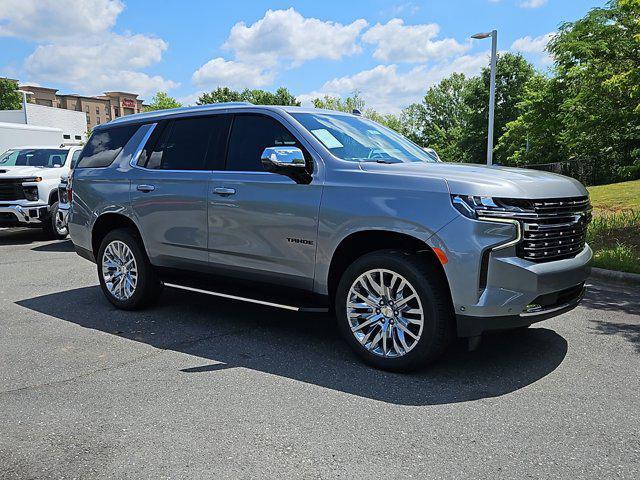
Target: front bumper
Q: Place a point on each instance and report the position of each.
(492, 288)
(469, 326)
(23, 215)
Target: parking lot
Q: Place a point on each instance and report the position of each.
(204, 388)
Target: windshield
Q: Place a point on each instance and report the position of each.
(34, 157)
(359, 139)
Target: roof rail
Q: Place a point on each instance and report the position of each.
(160, 113)
(228, 104)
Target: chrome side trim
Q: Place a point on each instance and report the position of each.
(136, 154)
(234, 297)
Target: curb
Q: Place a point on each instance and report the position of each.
(625, 277)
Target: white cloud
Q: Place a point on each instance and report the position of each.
(535, 46)
(190, 99)
(55, 19)
(398, 42)
(219, 72)
(388, 90)
(533, 3)
(530, 44)
(287, 36)
(111, 64)
(78, 50)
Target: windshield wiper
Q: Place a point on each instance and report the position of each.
(386, 161)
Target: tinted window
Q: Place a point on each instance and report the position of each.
(104, 146)
(187, 144)
(250, 135)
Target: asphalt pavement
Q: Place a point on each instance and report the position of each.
(199, 387)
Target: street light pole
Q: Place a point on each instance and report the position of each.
(492, 89)
(24, 103)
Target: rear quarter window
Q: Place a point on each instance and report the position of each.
(104, 146)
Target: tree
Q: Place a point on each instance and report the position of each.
(10, 98)
(282, 96)
(513, 73)
(589, 111)
(162, 101)
(219, 95)
(347, 104)
(444, 114)
(535, 137)
(597, 65)
(356, 102)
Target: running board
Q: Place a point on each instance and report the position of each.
(265, 303)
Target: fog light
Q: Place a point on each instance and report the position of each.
(532, 307)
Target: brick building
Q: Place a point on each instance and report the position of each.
(99, 109)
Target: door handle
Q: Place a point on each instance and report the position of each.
(145, 188)
(223, 191)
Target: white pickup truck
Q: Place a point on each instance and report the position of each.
(29, 179)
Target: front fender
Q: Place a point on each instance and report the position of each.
(351, 207)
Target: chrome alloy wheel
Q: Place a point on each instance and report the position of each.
(60, 225)
(385, 313)
(119, 270)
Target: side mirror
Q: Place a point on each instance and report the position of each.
(287, 161)
(432, 153)
(283, 157)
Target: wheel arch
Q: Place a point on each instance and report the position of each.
(362, 242)
(53, 196)
(107, 222)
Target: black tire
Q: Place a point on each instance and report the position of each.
(148, 286)
(51, 228)
(433, 292)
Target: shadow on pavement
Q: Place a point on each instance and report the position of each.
(613, 298)
(57, 246)
(227, 334)
(21, 236)
(616, 298)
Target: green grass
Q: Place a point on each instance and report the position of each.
(616, 197)
(614, 237)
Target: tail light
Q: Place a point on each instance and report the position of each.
(69, 187)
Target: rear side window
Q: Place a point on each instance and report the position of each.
(250, 135)
(188, 144)
(104, 146)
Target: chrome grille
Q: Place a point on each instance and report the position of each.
(554, 229)
(11, 189)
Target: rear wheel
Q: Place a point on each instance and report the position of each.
(126, 276)
(394, 310)
(54, 227)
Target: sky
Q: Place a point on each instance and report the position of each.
(390, 51)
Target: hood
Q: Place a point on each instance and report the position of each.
(481, 180)
(27, 171)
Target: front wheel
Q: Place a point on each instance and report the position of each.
(54, 227)
(393, 309)
(126, 276)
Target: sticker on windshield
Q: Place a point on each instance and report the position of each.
(373, 132)
(327, 138)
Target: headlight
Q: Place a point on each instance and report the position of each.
(477, 207)
(493, 210)
(31, 193)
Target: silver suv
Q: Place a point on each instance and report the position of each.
(308, 209)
